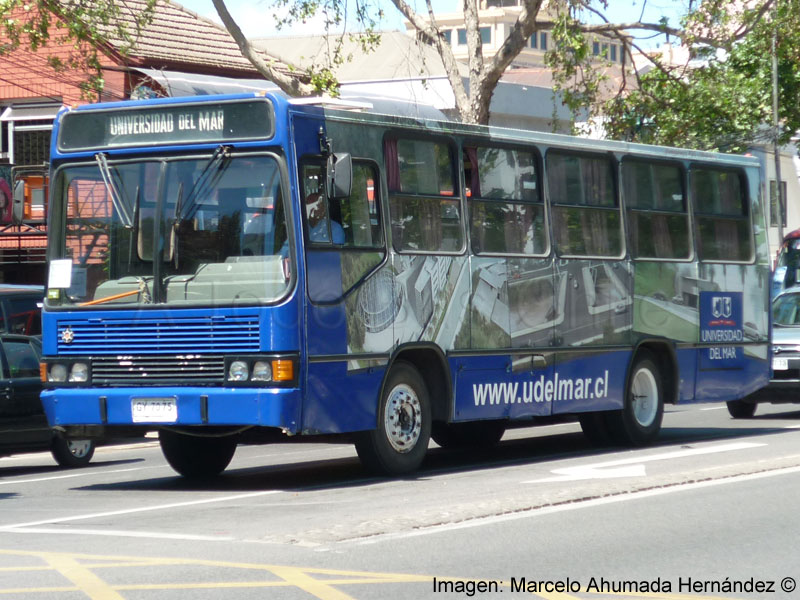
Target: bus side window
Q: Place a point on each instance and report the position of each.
(721, 214)
(359, 213)
(658, 218)
(586, 216)
(506, 209)
(423, 201)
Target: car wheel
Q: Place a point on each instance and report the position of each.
(399, 442)
(639, 421)
(72, 453)
(740, 409)
(197, 457)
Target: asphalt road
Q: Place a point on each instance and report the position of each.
(706, 513)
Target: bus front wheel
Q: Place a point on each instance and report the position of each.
(196, 457)
(639, 421)
(72, 453)
(399, 442)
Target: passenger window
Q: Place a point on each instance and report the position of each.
(656, 208)
(321, 226)
(424, 206)
(360, 212)
(506, 209)
(586, 215)
(722, 216)
(22, 359)
(352, 222)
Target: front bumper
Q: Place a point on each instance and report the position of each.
(268, 407)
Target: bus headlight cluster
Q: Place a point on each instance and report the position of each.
(260, 369)
(76, 372)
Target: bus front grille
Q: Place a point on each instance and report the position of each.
(158, 370)
(158, 336)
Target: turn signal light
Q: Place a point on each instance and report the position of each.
(282, 370)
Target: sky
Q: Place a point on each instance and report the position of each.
(255, 16)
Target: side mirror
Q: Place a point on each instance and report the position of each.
(339, 179)
(18, 206)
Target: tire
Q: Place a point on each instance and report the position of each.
(398, 444)
(741, 409)
(639, 421)
(196, 457)
(72, 453)
(476, 434)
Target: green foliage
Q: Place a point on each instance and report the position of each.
(88, 27)
(724, 102)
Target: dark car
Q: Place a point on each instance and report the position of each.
(23, 425)
(21, 309)
(784, 386)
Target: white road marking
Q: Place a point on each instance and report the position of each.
(139, 510)
(714, 408)
(121, 533)
(71, 475)
(633, 467)
(548, 510)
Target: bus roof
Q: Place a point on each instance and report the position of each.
(364, 111)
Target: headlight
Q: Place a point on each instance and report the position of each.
(238, 371)
(58, 373)
(79, 372)
(262, 371)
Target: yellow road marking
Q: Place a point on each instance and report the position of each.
(322, 584)
(86, 581)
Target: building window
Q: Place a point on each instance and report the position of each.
(613, 52)
(533, 40)
(596, 48)
(773, 204)
(448, 35)
(486, 36)
(31, 147)
(543, 40)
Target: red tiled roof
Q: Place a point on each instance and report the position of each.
(178, 37)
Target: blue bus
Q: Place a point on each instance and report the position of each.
(248, 268)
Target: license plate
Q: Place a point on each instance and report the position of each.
(780, 364)
(154, 410)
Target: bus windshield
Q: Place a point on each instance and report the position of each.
(209, 230)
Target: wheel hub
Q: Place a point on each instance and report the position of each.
(402, 418)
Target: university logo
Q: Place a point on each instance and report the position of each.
(721, 307)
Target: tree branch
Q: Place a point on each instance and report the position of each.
(292, 85)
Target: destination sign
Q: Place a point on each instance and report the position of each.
(163, 124)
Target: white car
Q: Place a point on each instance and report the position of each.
(784, 386)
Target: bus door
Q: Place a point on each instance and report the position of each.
(344, 253)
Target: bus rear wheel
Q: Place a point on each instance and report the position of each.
(399, 442)
(639, 421)
(196, 457)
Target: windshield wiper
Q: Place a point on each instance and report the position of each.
(113, 191)
(209, 177)
(133, 243)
